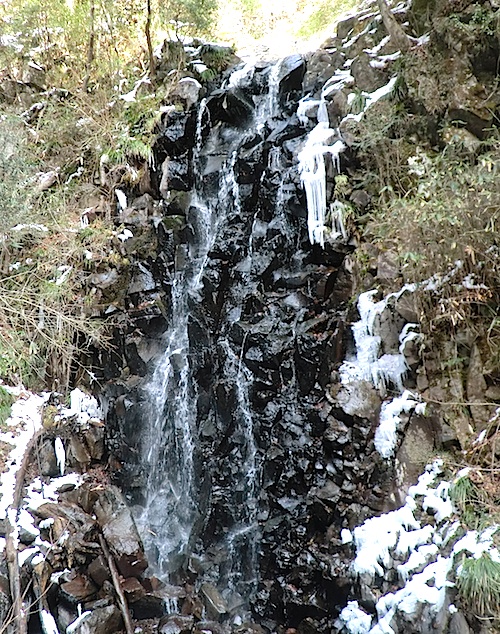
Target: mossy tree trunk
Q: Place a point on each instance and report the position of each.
(392, 26)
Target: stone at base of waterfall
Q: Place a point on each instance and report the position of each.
(78, 589)
(359, 398)
(105, 620)
(99, 571)
(176, 624)
(133, 589)
(214, 600)
(120, 532)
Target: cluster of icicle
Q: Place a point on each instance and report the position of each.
(312, 166)
(382, 370)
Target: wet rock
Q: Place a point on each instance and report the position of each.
(78, 590)
(149, 606)
(175, 175)
(142, 280)
(99, 571)
(176, 135)
(230, 106)
(120, 532)
(215, 602)
(133, 589)
(291, 73)
(176, 624)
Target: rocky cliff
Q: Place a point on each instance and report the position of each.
(256, 412)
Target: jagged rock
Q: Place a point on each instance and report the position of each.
(47, 459)
(230, 106)
(142, 280)
(120, 532)
(176, 625)
(78, 453)
(388, 266)
(104, 280)
(458, 624)
(175, 175)
(133, 589)
(149, 606)
(414, 453)
(215, 602)
(34, 75)
(94, 440)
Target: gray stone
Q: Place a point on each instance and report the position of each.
(104, 280)
(388, 265)
(120, 532)
(458, 624)
(100, 621)
(142, 280)
(476, 391)
(359, 398)
(187, 91)
(47, 459)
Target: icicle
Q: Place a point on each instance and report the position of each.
(60, 454)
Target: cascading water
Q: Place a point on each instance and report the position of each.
(170, 456)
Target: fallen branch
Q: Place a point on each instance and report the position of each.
(122, 601)
(19, 614)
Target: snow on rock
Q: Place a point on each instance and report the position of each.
(408, 534)
(356, 620)
(84, 406)
(389, 421)
(49, 625)
(40, 492)
(25, 420)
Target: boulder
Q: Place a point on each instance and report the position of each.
(106, 620)
(187, 91)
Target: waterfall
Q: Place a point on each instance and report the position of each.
(171, 515)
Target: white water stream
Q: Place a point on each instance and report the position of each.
(170, 457)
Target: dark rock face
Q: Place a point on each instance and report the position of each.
(266, 330)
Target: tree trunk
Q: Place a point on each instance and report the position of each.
(90, 48)
(392, 26)
(149, 43)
